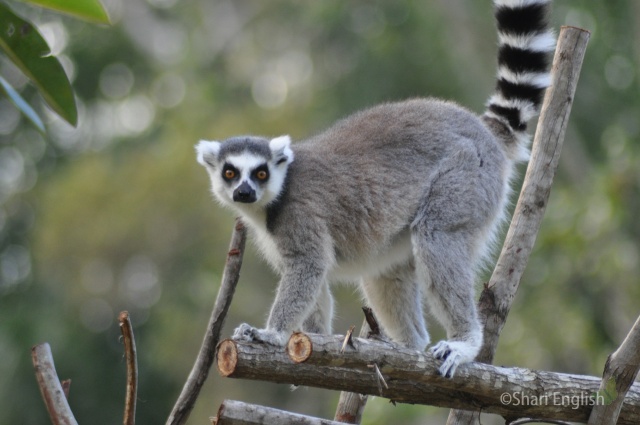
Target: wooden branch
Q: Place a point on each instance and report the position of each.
(351, 405)
(412, 377)
(536, 188)
(200, 370)
(537, 421)
(50, 388)
(238, 413)
(620, 371)
(497, 297)
(132, 368)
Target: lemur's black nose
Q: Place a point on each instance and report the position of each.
(244, 193)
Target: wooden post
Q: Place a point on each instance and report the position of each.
(200, 370)
(497, 297)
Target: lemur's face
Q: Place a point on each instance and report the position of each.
(246, 172)
(245, 178)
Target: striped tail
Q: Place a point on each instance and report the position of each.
(525, 42)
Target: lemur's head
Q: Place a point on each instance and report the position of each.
(247, 170)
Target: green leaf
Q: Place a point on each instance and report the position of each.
(87, 10)
(21, 104)
(27, 49)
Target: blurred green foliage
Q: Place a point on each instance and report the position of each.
(116, 214)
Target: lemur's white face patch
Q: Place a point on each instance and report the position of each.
(246, 164)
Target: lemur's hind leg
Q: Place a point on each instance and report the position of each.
(396, 299)
(450, 296)
(448, 235)
(320, 318)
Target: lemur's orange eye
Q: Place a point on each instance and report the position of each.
(229, 174)
(262, 175)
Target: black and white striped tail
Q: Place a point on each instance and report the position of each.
(525, 42)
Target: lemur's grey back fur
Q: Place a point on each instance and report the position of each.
(403, 197)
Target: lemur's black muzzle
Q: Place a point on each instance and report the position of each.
(244, 193)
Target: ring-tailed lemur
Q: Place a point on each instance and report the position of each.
(405, 197)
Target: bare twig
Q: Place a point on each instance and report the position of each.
(50, 388)
(379, 378)
(497, 297)
(132, 368)
(66, 386)
(347, 338)
(200, 370)
(619, 373)
(372, 322)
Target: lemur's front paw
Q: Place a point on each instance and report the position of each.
(453, 354)
(244, 332)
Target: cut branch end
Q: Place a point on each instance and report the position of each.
(299, 347)
(227, 357)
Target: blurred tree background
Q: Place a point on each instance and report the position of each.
(116, 214)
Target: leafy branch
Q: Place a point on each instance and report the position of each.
(21, 42)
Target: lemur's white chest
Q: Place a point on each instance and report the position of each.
(376, 262)
(264, 241)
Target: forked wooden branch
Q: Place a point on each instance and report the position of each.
(619, 373)
(200, 370)
(50, 388)
(497, 297)
(238, 413)
(412, 377)
(132, 368)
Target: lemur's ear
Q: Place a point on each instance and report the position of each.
(281, 149)
(207, 152)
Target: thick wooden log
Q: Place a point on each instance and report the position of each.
(411, 377)
(238, 413)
